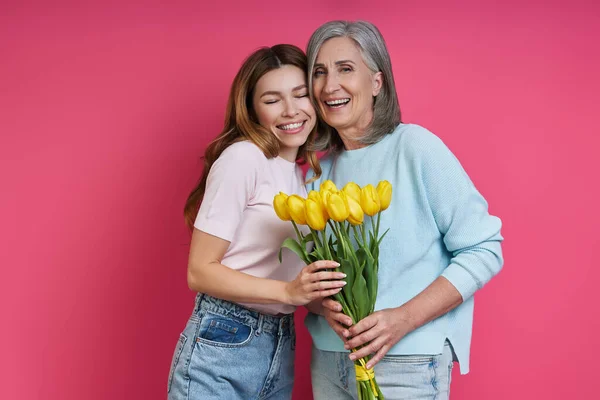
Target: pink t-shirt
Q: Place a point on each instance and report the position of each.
(238, 207)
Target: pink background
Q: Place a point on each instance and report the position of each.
(105, 110)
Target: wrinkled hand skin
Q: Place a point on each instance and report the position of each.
(378, 332)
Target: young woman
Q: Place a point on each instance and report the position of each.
(239, 342)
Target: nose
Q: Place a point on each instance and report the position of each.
(331, 83)
(290, 110)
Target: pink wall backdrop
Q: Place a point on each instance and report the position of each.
(105, 108)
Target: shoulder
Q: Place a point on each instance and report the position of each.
(241, 160)
(418, 142)
(243, 152)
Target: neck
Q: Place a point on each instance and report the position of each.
(351, 135)
(288, 153)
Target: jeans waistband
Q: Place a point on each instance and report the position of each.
(260, 322)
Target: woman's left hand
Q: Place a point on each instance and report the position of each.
(378, 332)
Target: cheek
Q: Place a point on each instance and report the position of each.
(307, 107)
(317, 87)
(264, 116)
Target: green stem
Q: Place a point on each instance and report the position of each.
(364, 234)
(300, 240)
(300, 237)
(326, 245)
(377, 228)
(357, 236)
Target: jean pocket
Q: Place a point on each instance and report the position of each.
(175, 360)
(218, 330)
(410, 359)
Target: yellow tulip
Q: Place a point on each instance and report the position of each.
(316, 196)
(314, 215)
(352, 190)
(328, 185)
(356, 216)
(337, 206)
(384, 190)
(325, 197)
(369, 200)
(281, 208)
(296, 206)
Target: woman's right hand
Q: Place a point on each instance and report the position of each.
(313, 283)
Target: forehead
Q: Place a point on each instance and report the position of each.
(281, 79)
(339, 48)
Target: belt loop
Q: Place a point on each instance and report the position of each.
(198, 300)
(260, 324)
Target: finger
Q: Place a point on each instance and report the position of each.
(363, 338)
(331, 305)
(378, 356)
(325, 276)
(325, 285)
(341, 318)
(337, 328)
(364, 324)
(325, 293)
(322, 264)
(371, 348)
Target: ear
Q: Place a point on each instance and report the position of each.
(377, 83)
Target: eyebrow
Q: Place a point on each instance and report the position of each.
(319, 65)
(276, 93)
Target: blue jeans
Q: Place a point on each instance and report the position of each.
(230, 352)
(400, 377)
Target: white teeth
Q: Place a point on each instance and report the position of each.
(291, 126)
(336, 102)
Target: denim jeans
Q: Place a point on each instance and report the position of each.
(400, 377)
(230, 352)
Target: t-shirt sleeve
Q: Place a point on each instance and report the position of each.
(230, 186)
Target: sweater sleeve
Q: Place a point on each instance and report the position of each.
(469, 232)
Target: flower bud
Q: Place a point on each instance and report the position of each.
(280, 206)
(296, 206)
(314, 215)
(352, 190)
(369, 200)
(384, 191)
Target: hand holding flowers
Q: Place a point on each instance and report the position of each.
(337, 222)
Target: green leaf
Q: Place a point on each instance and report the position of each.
(370, 275)
(360, 296)
(347, 267)
(382, 236)
(296, 248)
(308, 238)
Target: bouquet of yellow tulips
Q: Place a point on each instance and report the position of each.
(334, 217)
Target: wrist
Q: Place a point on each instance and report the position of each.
(283, 295)
(406, 317)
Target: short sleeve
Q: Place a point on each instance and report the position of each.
(230, 186)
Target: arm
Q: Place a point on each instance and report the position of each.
(206, 274)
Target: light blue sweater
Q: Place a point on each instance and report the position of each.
(439, 225)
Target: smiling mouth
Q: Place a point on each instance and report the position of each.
(293, 127)
(338, 103)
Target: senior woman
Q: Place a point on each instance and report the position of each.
(442, 243)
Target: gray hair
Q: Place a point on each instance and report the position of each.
(386, 110)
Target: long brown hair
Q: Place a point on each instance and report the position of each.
(241, 122)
